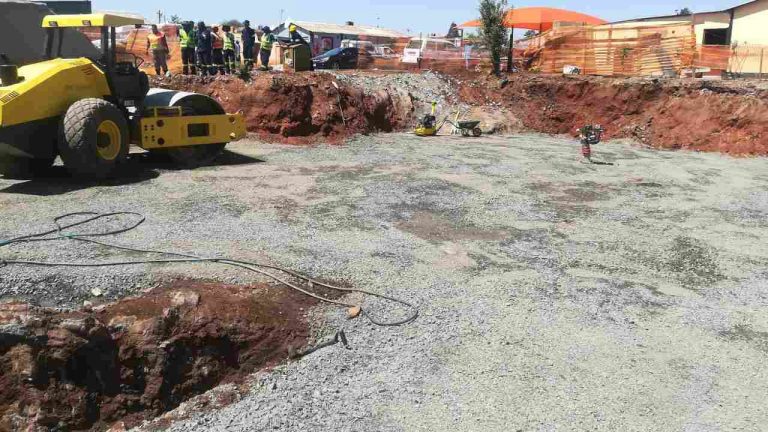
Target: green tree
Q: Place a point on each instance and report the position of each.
(683, 11)
(492, 30)
(530, 33)
(472, 39)
(175, 19)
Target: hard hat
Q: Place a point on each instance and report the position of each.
(292, 27)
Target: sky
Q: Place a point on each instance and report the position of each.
(411, 16)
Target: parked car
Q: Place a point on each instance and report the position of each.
(342, 58)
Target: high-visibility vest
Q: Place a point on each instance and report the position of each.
(155, 41)
(187, 40)
(267, 40)
(218, 43)
(229, 41)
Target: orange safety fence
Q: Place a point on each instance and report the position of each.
(748, 59)
(738, 59)
(132, 45)
(614, 51)
(135, 43)
(715, 57)
(606, 50)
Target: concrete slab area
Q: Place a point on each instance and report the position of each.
(555, 295)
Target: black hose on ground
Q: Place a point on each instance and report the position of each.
(59, 233)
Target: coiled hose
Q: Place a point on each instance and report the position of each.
(61, 233)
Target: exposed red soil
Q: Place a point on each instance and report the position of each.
(671, 114)
(300, 108)
(139, 357)
(675, 114)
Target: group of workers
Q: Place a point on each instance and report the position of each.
(208, 51)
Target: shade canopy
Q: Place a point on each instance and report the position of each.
(540, 18)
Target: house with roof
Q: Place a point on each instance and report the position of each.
(745, 24)
(736, 37)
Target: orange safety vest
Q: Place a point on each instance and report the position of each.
(155, 41)
(218, 42)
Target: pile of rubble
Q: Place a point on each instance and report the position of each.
(426, 86)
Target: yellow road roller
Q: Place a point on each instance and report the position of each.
(89, 111)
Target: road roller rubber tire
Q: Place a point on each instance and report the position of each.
(93, 138)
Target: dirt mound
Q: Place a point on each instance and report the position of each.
(704, 116)
(140, 357)
(301, 108)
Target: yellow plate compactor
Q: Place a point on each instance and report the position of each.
(89, 111)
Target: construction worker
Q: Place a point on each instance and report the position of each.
(229, 50)
(188, 42)
(217, 42)
(204, 49)
(160, 53)
(296, 38)
(267, 41)
(249, 40)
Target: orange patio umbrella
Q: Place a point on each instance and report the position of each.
(540, 18)
(537, 18)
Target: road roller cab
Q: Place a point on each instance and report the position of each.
(90, 110)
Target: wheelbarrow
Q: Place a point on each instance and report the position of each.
(465, 127)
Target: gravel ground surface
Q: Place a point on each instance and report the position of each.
(554, 294)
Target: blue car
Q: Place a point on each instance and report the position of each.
(338, 58)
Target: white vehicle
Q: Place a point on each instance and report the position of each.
(384, 51)
(419, 48)
(362, 45)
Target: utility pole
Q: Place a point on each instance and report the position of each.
(159, 17)
(281, 15)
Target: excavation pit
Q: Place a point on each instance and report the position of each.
(135, 359)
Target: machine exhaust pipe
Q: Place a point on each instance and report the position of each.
(9, 75)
